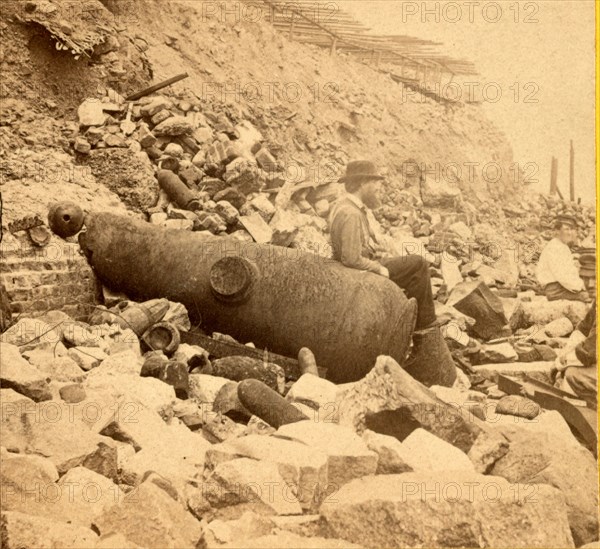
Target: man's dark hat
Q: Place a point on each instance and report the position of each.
(566, 219)
(360, 171)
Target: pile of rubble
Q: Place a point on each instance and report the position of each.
(115, 436)
(215, 175)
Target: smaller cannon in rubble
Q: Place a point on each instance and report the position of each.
(281, 299)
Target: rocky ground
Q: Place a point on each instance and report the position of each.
(108, 444)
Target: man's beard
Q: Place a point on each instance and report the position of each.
(372, 202)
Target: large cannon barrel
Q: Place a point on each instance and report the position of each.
(279, 298)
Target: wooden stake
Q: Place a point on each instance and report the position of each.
(553, 176)
(572, 174)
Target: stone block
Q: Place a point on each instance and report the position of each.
(16, 373)
(20, 530)
(266, 160)
(304, 469)
(239, 531)
(44, 429)
(561, 327)
(537, 457)
(157, 104)
(135, 424)
(348, 456)
(499, 352)
(313, 391)
(389, 401)
(540, 370)
(457, 509)
(90, 113)
(151, 392)
(477, 301)
(72, 393)
(29, 333)
(126, 362)
(149, 517)
(519, 406)
(393, 457)
(205, 388)
(227, 211)
(539, 311)
(174, 126)
(247, 481)
(87, 357)
(178, 456)
(430, 453)
(257, 227)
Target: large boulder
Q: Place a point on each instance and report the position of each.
(393, 456)
(457, 509)
(151, 518)
(430, 453)
(438, 193)
(78, 497)
(29, 333)
(539, 311)
(542, 457)
(50, 429)
(20, 531)
(130, 175)
(316, 392)
(304, 469)
(16, 373)
(477, 301)
(173, 450)
(248, 480)
(348, 456)
(149, 391)
(389, 401)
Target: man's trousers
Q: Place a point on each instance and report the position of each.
(411, 273)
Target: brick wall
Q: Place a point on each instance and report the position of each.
(37, 280)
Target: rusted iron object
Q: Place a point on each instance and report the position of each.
(227, 402)
(177, 190)
(139, 316)
(162, 336)
(431, 361)
(220, 348)
(476, 300)
(582, 419)
(238, 368)
(171, 372)
(266, 404)
(279, 298)
(39, 235)
(65, 218)
(307, 362)
(156, 87)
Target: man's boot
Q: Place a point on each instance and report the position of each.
(430, 361)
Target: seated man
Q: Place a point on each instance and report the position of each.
(557, 272)
(581, 374)
(350, 235)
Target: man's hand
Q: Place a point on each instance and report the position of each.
(383, 272)
(557, 371)
(560, 363)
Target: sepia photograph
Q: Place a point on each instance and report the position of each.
(298, 274)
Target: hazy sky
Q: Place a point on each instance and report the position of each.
(544, 49)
